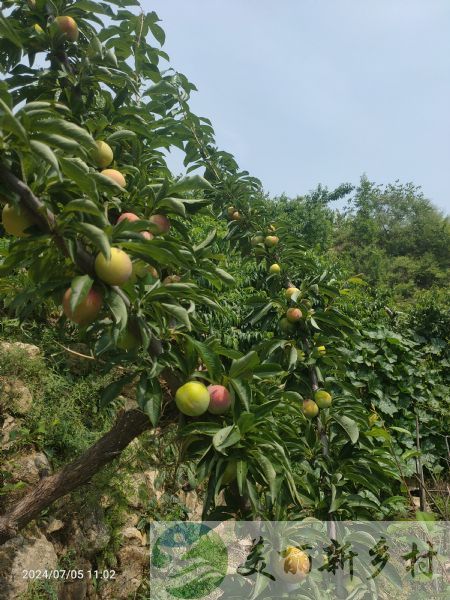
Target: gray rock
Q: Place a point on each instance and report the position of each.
(31, 350)
(29, 468)
(20, 555)
(54, 525)
(73, 590)
(90, 535)
(9, 427)
(15, 396)
(132, 536)
(133, 561)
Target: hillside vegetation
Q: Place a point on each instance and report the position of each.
(193, 348)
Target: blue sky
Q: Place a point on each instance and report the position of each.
(321, 91)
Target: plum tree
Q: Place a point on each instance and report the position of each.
(192, 399)
(86, 311)
(103, 154)
(116, 270)
(67, 26)
(48, 131)
(236, 216)
(116, 176)
(293, 315)
(16, 220)
(323, 399)
(162, 223)
(220, 399)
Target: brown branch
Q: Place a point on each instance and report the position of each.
(128, 426)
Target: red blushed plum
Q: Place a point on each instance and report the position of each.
(162, 223)
(220, 399)
(86, 312)
(128, 217)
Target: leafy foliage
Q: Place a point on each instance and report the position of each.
(202, 303)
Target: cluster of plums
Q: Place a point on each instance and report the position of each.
(116, 270)
(322, 399)
(194, 399)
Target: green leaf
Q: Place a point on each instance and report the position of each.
(207, 241)
(261, 313)
(349, 426)
(188, 184)
(158, 33)
(180, 313)
(11, 124)
(200, 429)
(118, 309)
(78, 171)
(44, 152)
(243, 366)
(80, 288)
(425, 516)
(97, 236)
(411, 454)
(112, 390)
(243, 391)
(172, 205)
(266, 408)
(228, 436)
(267, 370)
(246, 422)
(86, 206)
(224, 276)
(401, 430)
(122, 134)
(8, 32)
(241, 474)
(293, 396)
(149, 398)
(269, 473)
(379, 432)
(67, 129)
(209, 357)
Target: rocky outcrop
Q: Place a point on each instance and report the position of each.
(15, 397)
(27, 468)
(29, 349)
(18, 557)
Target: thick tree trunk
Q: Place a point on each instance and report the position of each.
(128, 426)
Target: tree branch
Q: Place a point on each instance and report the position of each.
(128, 426)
